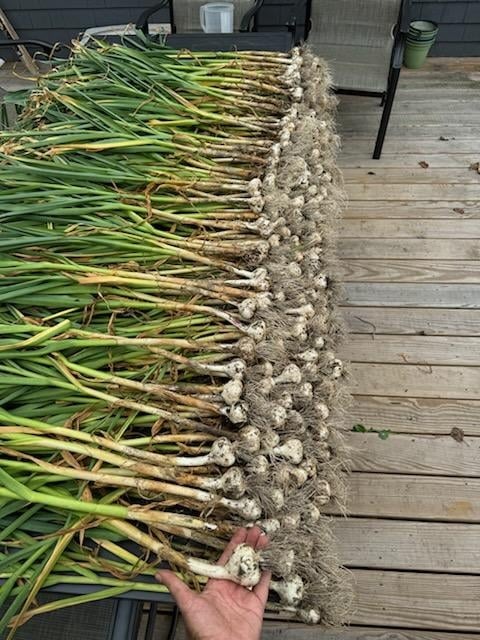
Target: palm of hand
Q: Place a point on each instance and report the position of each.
(224, 610)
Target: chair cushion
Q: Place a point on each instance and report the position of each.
(187, 14)
(355, 37)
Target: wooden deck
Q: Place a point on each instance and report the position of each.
(410, 244)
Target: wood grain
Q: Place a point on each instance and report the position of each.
(415, 415)
(435, 322)
(292, 631)
(356, 159)
(378, 495)
(402, 118)
(445, 271)
(453, 296)
(417, 600)
(451, 229)
(413, 248)
(416, 192)
(423, 381)
(414, 175)
(285, 630)
(415, 454)
(398, 146)
(408, 545)
(412, 349)
(432, 209)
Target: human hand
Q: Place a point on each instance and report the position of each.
(224, 610)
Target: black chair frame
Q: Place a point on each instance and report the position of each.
(387, 97)
(38, 44)
(248, 23)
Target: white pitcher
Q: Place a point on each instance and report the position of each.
(217, 17)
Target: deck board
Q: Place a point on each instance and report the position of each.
(415, 454)
(417, 600)
(449, 229)
(410, 254)
(409, 545)
(427, 416)
(420, 321)
(437, 498)
(432, 209)
(422, 380)
(380, 270)
(438, 350)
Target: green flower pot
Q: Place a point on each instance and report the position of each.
(422, 30)
(416, 53)
(420, 38)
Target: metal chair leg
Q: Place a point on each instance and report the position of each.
(387, 109)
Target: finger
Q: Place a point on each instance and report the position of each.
(177, 588)
(262, 542)
(253, 536)
(261, 589)
(238, 537)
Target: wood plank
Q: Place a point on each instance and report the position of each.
(414, 175)
(415, 415)
(434, 209)
(377, 495)
(453, 229)
(417, 600)
(408, 128)
(398, 131)
(405, 544)
(287, 630)
(406, 105)
(424, 381)
(413, 248)
(414, 192)
(292, 631)
(356, 159)
(358, 145)
(412, 295)
(412, 349)
(423, 120)
(446, 271)
(415, 454)
(434, 322)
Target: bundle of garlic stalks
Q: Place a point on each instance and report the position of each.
(168, 327)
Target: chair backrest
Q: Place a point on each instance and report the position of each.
(354, 22)
(186, 13)
(357, 37)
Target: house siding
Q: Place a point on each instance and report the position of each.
(459, 21)
(62, 20)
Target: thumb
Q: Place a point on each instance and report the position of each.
(177, 588)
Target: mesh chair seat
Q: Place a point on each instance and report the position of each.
(356, 38)
(187, 14)
(354, 67)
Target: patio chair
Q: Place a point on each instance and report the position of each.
(363, 40)
(103, 620)
(185, 15)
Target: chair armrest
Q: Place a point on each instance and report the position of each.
(142, 21)
(398, 50)
(44, 46)
(250, 15)
(405, 16)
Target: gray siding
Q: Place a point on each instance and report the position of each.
(62, 20)
(459, 22)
